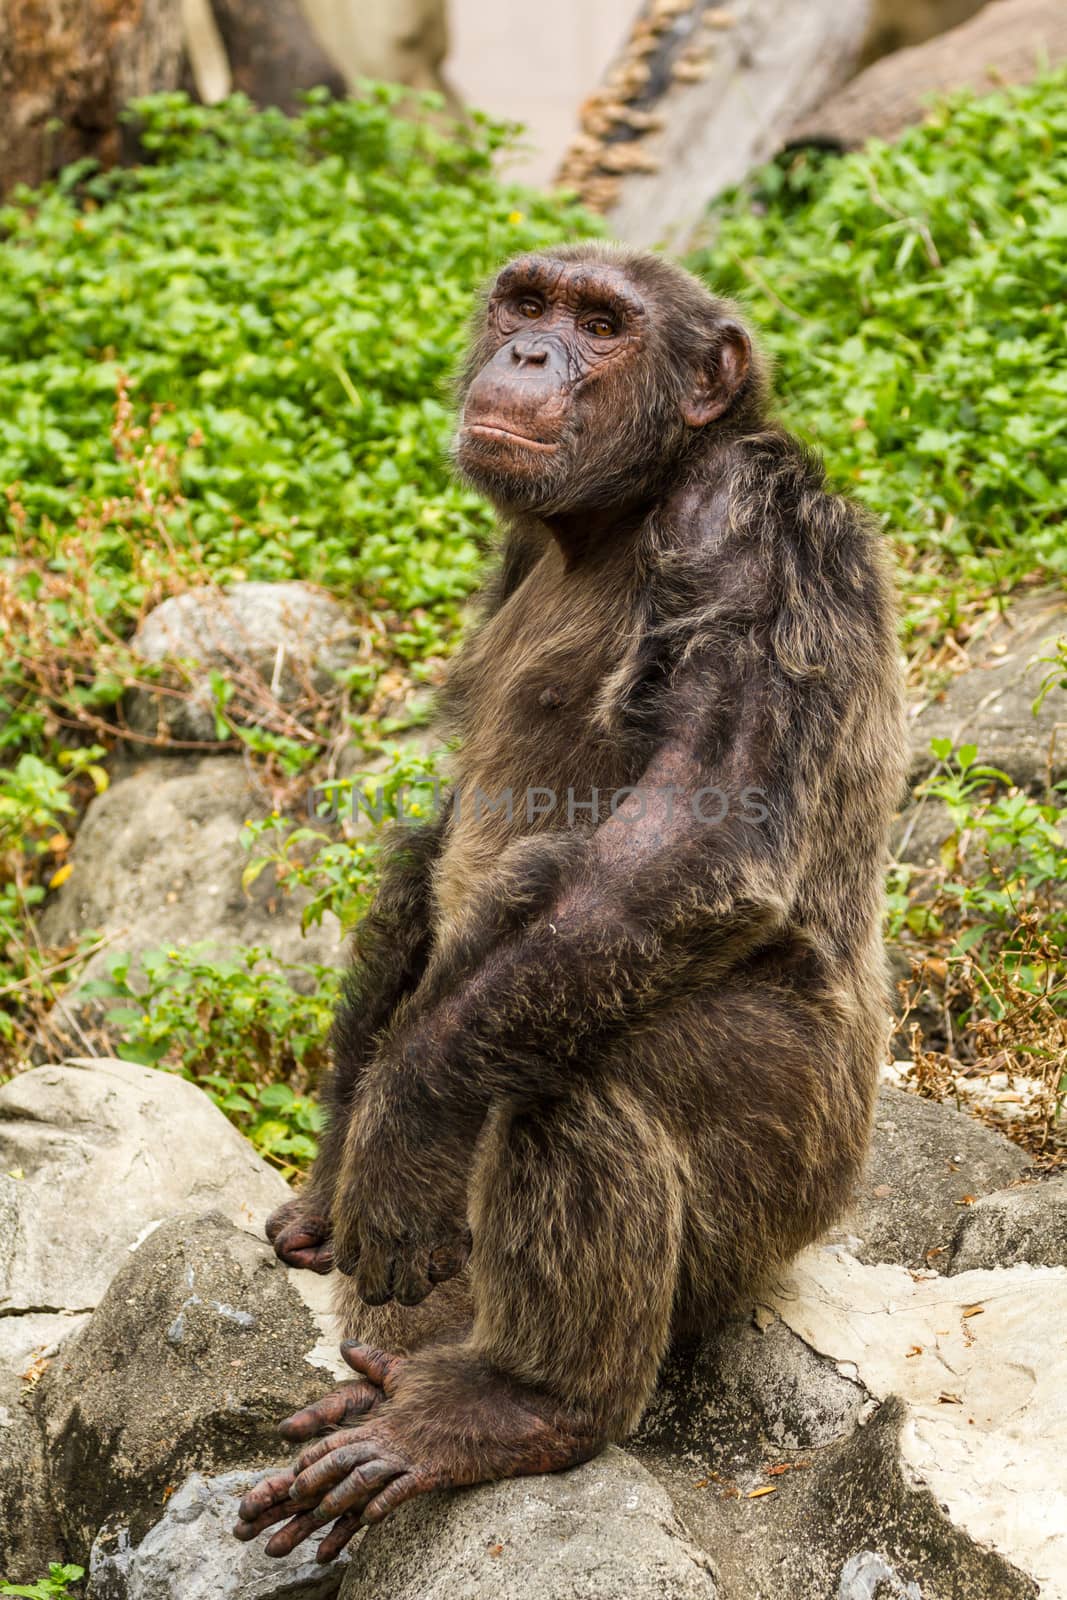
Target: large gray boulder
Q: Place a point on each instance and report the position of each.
(282, 641)
(1027, 1224)
(191, 1554)
(990, 703)
(158, 862)
(926, 1165)
(29, 1532)
(105, 1151)
(605, 1530)
(200, 1346)
(93, 1156)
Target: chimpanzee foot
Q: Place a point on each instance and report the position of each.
(446, 1420)
(301, 1236)
(348, 1403)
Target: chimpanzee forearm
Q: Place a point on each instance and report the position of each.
(390, 949)
(654, 903)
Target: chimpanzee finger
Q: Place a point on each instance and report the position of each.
(373, 1274)
(338, 1536)
(405, 1487)
(281, 1217)
(411, 1282)
(332, 1468)
(269, 1491)
(292, 1534)
(382, 1367)
(324, 1447)
(317, 1258)
(352, 1399)
(266, 1519)
(360, 1486)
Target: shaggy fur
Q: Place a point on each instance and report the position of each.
(632, 1057)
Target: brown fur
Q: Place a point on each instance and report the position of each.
(636, 1060)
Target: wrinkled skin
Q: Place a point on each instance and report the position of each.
(384, 1452)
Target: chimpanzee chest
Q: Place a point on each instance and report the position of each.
(542, 745)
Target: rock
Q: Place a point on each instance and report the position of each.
(157, 862)
(281, 640)
(926, 1161)
(29, 1533)
(1007, 42)
(990, 704)
(978, 1369)
(747, 1393)
(604, 1530)
(107, 1150)
(1028, 1224)
(197, 1350)
(920, 830)
(881, 1438)
(191, 1554)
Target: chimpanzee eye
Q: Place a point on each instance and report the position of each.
(529, 307)
(600, 327)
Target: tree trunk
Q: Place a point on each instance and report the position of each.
(1008, 42)
(398, 41)
(78, 63)
(700, 94)
(273, 52)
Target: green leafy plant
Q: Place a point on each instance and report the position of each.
(987, 926)
(55, 1587)
(914, 298)
(251, 1030)
(337, 860)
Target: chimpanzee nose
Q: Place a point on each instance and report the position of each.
(529, 352)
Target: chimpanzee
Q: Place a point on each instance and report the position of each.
(611, 1037)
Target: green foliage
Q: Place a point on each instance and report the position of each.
(36, 803)
(914, 298)
(990, 921)
(251, 1030)
(337, 861)
(292, 295)
(1005, 854)
(54, 1587)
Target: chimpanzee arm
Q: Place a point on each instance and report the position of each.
(389, 952)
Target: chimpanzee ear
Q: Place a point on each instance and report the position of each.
(725, 374)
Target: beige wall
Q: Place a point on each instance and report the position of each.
(534, 63)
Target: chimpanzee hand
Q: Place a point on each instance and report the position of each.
(400, 1216)
(300, 1234)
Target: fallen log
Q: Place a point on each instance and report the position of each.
(699, 94)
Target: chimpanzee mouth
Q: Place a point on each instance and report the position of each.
(494, 430)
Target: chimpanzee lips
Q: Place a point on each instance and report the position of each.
(498, 431)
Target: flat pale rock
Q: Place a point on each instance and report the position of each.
(979, 1364)
(870, 1432)
(107, 1150)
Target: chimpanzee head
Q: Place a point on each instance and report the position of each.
(592, 373)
